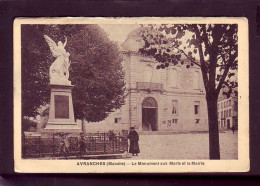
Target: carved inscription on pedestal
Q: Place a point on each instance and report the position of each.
(61, 106)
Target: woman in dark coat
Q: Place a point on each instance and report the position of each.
(134, 138)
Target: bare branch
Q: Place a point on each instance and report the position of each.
(189, 58)
(204, 68)
(205, 37)
(229, 64)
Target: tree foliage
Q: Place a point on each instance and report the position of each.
(27, 124)
(212, 47)
(95, 69)
(215, 47)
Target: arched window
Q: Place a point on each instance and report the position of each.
(148, 72)
(149, 102)
(196, 80)
(173, 78)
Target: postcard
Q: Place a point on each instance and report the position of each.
(131, 95)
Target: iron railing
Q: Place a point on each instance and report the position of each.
(96, 144)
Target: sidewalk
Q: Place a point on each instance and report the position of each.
(86, 157)
(176, 146)
(186, 146)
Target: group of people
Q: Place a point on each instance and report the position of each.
(64, 145)
(82, 141)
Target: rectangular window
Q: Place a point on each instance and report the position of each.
(196, 80)
(222, 105)
(173, 77)
(117, 120)
(196, 107)
(174, 107)
(221, 114)
(118, 110)
(197, 120)
(174, 120)
(229, 112)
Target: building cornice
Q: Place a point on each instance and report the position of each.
(150, 59)
(165, 92)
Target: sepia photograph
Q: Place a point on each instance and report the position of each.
(131, 95)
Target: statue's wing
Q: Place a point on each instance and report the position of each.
(52, 45)
(65, 43)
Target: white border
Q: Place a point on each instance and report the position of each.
(70, 166)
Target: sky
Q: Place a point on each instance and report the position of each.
(118, 32)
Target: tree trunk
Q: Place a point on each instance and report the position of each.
(83, 125)
(214, 151)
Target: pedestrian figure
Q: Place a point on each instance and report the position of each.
(233, 129)
(64, 146)
(82, 144)
(111, 135)
(134, 138)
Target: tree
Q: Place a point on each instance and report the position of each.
(27, 124)
(216, 47)
(95, 69)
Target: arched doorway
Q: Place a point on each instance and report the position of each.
(149, 114)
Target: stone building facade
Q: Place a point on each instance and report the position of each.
(171, 99)
(227, 112)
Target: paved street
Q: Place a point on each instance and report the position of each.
(185, 146)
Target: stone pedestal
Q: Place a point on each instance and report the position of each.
(61, 114)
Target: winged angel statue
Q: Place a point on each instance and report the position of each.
(59, 70)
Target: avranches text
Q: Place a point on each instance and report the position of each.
(171, 163)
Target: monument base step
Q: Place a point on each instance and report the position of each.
(71, 132)
(62, 127)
